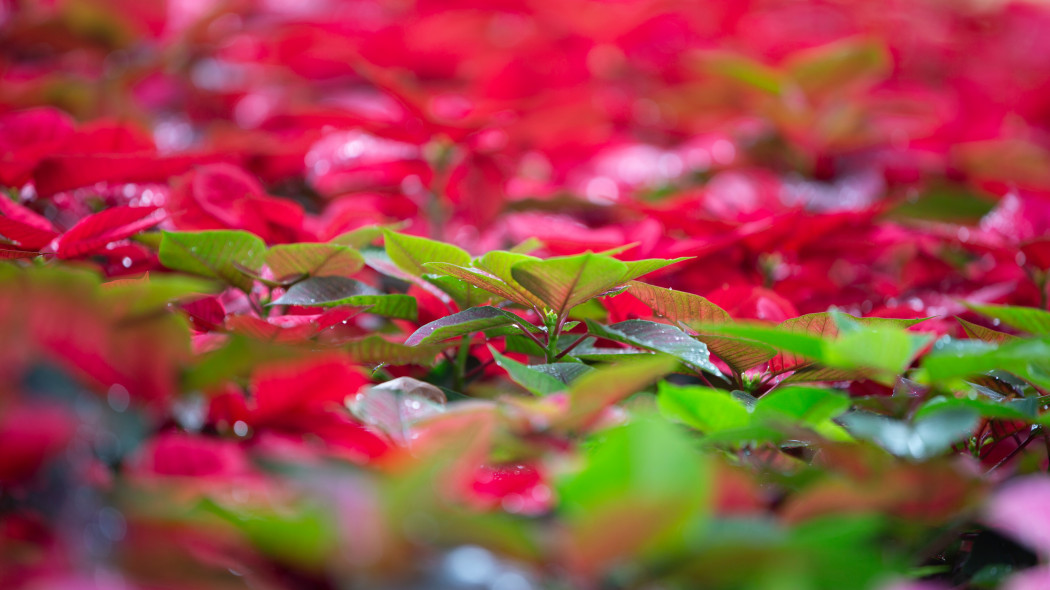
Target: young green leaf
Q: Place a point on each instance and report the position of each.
(658, 338)
(475, 319)
(333, 291)
(294, 261)
(410, 253)
(218, 254)
(567, 281)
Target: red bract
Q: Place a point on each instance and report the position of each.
(105, 227)
(31, 435)
(222, 196)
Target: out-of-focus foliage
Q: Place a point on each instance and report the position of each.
(524, 294)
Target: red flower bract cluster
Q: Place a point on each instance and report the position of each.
(233, 234)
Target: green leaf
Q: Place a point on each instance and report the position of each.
(678, 306)
(827, 324)
(293, 261)
(564, 372)
(462, 292)
(567, 281)
(335, 291)
(305, 537)
(801, 344)
(587, 351)
(984, 408)
(375, 350)
(482, 281)
(658, 338)
(954, 359)
(986, 334)
(926, 438)
(637, 268)
(536, 381)
(804, 406)
(363, 236)
(218, 254)
(838, 65)
(739, 354)
(500, 264)
(593, 392)
(887, 349)
(640, 485)
(141, 296)
(410, 253)
(475, 319)
(1026, 319)
(705, 409)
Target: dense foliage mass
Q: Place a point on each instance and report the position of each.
(523, 294)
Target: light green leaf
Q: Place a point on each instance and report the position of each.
(1026, 319)
(705, 409)
(640, 485)
(219, 254)
(140, 296)
(637, 268)
(410, 253)
(954, 359)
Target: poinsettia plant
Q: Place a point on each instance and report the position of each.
(641, 294)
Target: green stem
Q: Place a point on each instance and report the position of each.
(461, 363)
(553, 325)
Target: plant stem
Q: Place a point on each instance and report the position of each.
(1013, 453)
(571, 346)
(462, 355)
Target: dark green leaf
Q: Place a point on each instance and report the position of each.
(658, 338)
(335, 291)
(475, 319)
(536, 381)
